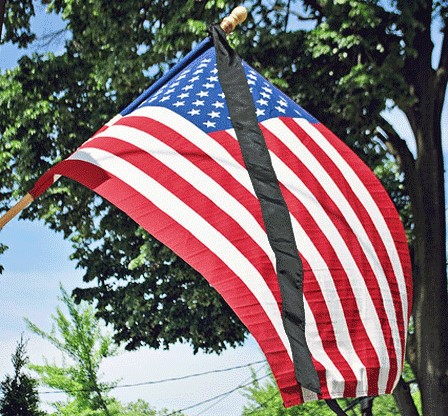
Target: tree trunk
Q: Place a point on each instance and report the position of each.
(430, 278)
(430, 309)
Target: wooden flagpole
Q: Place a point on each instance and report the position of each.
(21, 205)
(228, 24)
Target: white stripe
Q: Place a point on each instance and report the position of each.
(335, 380)
(114, 119)
(191, 221)
(372, 208)
(296, 146)
(199, 180)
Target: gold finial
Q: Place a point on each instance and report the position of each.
(238, 15)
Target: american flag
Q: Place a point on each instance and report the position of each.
(172, 162)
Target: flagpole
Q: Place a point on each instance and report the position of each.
(236, 17)
(21, 205)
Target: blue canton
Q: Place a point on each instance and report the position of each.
(195, 93)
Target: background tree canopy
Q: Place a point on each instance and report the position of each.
(345, 61)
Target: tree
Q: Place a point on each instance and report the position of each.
(81, 338)
(19, 394)
(142, 408)
(356, 59)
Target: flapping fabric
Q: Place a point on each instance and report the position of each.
(171, 160)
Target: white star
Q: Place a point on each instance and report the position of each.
(212, 79)
(260, 112)
(214, 71)
(193, 79)
(206, 60)
(183, 74)
(187, 87)
(202, 94)
(262, 102)
(171, 90)
(194, 112)
(209, 124)
(179, 103)
(251, 75)
(280, 109)
(183, 95)
(251, 82)
(166, 98)
(213, 114)
(174, 84)
(265, 95)
(208, 85)
(218, 104)
(282, 102)
(198, 102)
(198, 71)
(202, 66)
(222, 95)
(269, 90)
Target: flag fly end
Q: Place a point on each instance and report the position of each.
(17, 208)
(236, 17)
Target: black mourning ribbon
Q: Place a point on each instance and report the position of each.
(274, 210)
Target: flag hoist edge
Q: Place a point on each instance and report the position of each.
(172, 161)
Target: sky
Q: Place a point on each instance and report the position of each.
(37, 262)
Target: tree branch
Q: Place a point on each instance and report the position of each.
(303, 17)
(397, 146)
(400, 150)
(403, 398)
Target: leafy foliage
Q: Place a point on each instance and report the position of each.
(18, 22)
(81, 339)
(19, 394)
